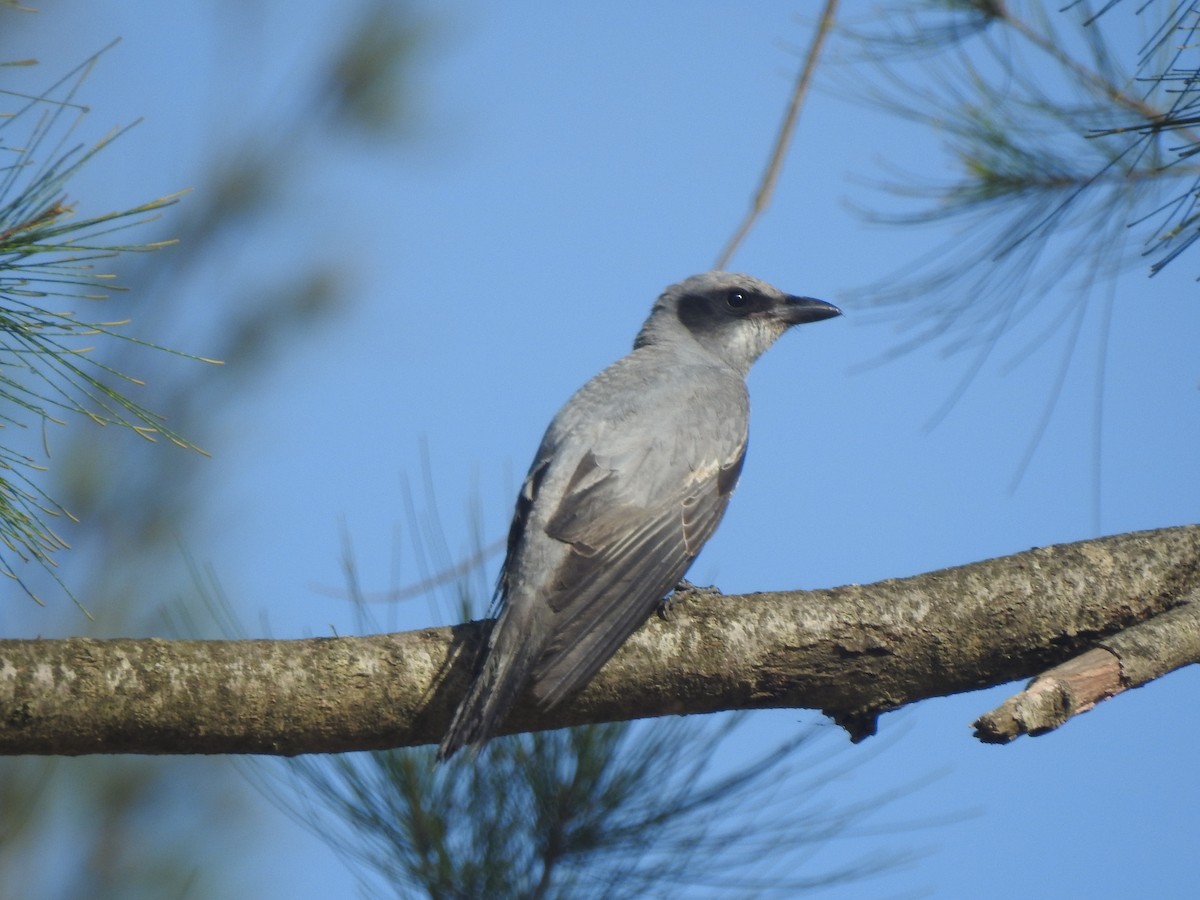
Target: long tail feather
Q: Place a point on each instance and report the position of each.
(502, 678)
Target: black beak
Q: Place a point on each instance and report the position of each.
(799, 310)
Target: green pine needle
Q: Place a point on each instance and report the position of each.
(48, 256)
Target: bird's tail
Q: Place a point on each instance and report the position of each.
(499, 682)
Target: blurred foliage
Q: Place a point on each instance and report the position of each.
(1070, 136)
(1057, 123)
(136, 827)
(1168, 61)
(616, 810)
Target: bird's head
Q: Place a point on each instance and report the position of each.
(734, 317)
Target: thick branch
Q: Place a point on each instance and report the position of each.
(853, 652)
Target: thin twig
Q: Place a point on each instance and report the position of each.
(766, 186)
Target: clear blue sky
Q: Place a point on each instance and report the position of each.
(564, 162)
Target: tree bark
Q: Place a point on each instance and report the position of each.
(1119, 611)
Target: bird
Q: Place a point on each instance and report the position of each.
(630, 480)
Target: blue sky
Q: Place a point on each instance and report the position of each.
(561, 166)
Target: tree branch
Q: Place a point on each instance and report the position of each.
(853, 652)
(766, 185)
(1128, 659)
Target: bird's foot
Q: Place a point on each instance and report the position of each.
(684, 587)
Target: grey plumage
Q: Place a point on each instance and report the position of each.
(630, 480)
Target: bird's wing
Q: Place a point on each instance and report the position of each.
(628, 546)
(516, 529)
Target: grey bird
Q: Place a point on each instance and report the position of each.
(630, 480)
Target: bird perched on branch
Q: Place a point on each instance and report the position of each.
(630, 480)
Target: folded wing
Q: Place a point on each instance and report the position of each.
(628, 548)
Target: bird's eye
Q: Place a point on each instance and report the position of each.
(736, 300)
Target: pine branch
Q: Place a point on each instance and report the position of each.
(854, 652)
(48, 255)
